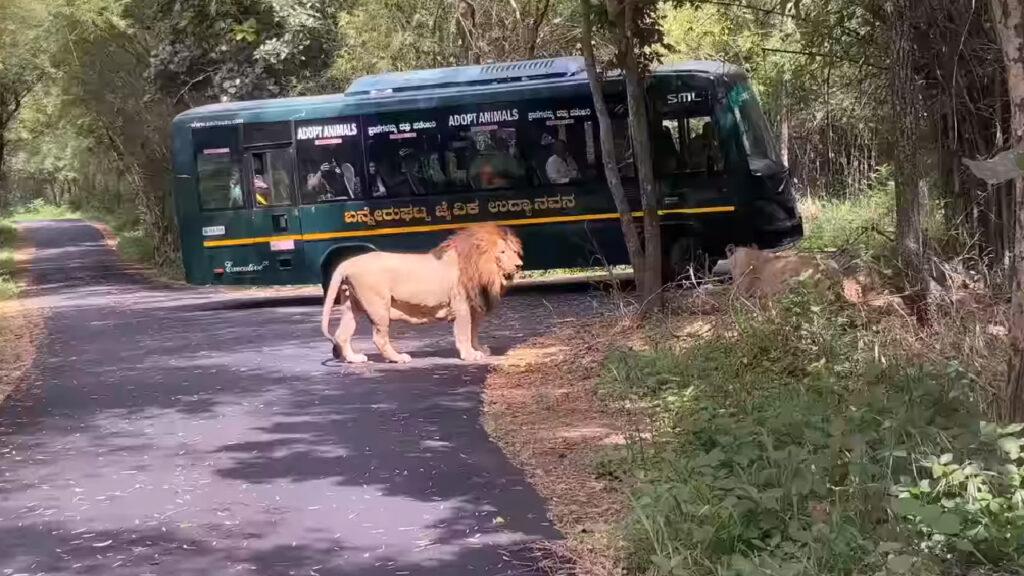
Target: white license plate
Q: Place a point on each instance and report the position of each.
(282, 245)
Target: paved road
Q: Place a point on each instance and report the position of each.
(176, 431)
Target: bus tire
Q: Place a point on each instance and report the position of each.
(684, 260)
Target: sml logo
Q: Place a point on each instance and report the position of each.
(683, 97)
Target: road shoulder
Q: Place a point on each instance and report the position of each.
(22, 325)
(540, 406)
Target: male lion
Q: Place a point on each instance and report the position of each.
(461, 280)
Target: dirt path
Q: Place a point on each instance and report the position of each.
(174, 431)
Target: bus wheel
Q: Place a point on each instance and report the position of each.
(684, 262)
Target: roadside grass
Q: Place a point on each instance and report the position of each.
(21, 324)
(808, 436)
(800, 439)
(860, 222)
(8, 235)
(801, 436)
(42, 210)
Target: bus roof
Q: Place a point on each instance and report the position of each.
(438, 81)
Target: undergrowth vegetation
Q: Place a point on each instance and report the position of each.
(8, 234)
(810, 436)
(40, 209)
(790, 444)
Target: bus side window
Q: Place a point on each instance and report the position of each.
(562, 140)
(404, 155)
(702, 152)
(218, 168)
(220, 180)
(271, 177)
(623, 148)
(330, 158)
(482, 147)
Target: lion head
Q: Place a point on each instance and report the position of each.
(489, 257)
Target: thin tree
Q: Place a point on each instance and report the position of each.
(906, 116)
(628, 25)
(1009, 25)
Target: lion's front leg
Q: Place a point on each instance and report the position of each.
(464, 335)
(477, 318)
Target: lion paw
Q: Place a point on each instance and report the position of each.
(402, 359)
(357, 358)
(486, 351)
(472, 356)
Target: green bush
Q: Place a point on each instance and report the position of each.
(40, 209)
(860, 221)
(972, 510)
(8, 234)
(777, 448)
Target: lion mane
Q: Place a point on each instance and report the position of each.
(480, 275)
(461, 280)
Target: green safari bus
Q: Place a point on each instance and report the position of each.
(279, 191)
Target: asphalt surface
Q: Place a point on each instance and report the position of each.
(179, 431)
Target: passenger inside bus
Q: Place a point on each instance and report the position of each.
(377, 188)
(703, 153)
(235, 199)
(259, 186)
(495, 166)
(560, 167)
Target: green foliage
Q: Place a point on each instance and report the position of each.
(421, 35)
(777, 443)
(860, 221)
(973, 509)
(40, 209)
(238, 49)
(8, 235)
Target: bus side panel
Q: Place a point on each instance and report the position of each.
(186, 207)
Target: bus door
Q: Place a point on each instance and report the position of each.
(276, 227)
(224, 219)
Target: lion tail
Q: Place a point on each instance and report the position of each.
(330, 299)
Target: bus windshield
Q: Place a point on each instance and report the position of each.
(762, 152)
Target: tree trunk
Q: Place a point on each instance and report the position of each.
(607, 141)
(3, 180)
(1009, 24)
(639, 127)
(784, 123)
(906, 111)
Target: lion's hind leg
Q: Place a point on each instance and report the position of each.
(380, 315)
(343, 337)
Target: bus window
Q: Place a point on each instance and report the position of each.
(271, 177)
(481, 147)
(330, 158)
(403, 153)
(220, 179)
(623, 148)
(218, 167)
(562, 143)
(687, 144)
(762, 152)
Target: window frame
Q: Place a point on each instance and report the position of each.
(248, 168)
(359, 156)
(234, 153)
